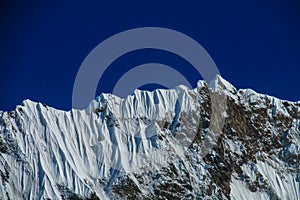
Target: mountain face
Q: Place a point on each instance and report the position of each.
(212, 142)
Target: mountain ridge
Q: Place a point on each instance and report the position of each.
(163, 144)
(218, 80)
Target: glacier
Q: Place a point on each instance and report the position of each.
(211, 142)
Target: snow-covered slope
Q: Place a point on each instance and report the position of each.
(213, 142)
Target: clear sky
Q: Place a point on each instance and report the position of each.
(255, 44)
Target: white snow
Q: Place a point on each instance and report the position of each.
(239, 191)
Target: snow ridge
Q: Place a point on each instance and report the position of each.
(144, 140)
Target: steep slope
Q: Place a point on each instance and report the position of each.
(213, 142)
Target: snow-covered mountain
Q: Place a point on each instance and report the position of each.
(212, 142)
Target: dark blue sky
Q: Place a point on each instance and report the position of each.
(254, 43)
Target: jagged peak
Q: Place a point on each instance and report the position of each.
(103, 97)
(219, 84)
(201, 83)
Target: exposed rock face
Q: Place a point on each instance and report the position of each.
(213, 142)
